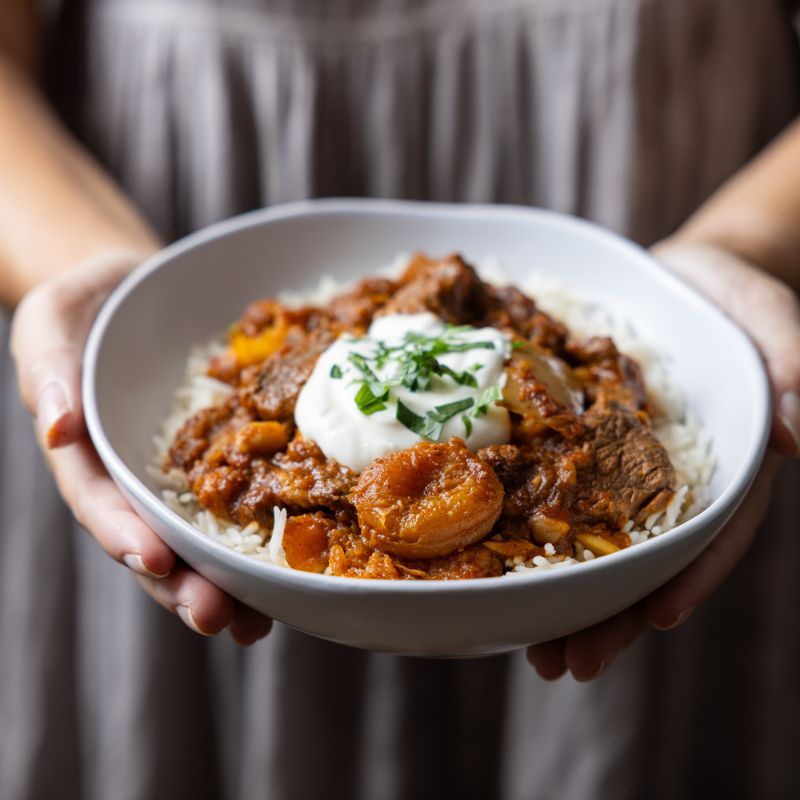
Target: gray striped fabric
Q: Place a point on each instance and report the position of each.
(629, 112)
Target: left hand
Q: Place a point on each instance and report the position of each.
(47, 340)
(769, 312)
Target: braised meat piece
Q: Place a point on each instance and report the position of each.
(510, 309)
(354, 310)
(449, 288)
(607, 374)
(628, 474)
(299, 479)
(617, 471)
(218, 488)
(195, 435)
(271, 390)
(539, 488)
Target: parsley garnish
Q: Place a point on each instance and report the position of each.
(368, 402)
(430, 426)
(426, 427)
(487, 398)
(448, 410)
(416, 363)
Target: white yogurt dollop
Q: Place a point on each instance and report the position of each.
(327, 411)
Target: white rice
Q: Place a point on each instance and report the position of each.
(688, 445)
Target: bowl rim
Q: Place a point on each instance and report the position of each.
(715, 514)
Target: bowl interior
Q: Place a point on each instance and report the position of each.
(191, 292)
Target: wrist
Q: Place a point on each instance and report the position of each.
(749, 236)
(112, 258)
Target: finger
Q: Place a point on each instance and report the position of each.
(54, 393)
(98, 505)
(248, 625)
(589, 652)
(48, 333)
(48, 361)
(203, 607)
(547, 659)
(786, 426)
(672, 603)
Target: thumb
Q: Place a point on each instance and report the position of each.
(50, 386)
(48, 333)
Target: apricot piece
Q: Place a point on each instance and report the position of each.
(427, 501)
(262, 438)
(254, 349)
(305, 542)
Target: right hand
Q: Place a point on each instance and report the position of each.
(47, 340)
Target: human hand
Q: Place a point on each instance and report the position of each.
(47, 339)
(769, 312)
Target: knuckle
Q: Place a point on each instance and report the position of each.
(25, 325)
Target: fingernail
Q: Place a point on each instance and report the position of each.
(135, 562)
(52, 407)
(591, 676)
(789, 415)
(185, 613)
(679, 620)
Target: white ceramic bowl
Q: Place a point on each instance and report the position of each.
(191, 291)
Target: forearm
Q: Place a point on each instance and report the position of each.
(57, 206)
(756, 214)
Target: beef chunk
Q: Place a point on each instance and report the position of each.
(510, 309)
(616, 472)
(270, 391)
(628, 474)
(537, 484)
(449, 288)
(354, 310)
(607, 374)
(300, 479)
(195, 435)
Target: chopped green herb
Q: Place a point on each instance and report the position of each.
(464, 347)
(461, 378)
(517, 344)
(425, 427)
(368, 402)
(488, 397)
(376, 386)
(414, 364)
(449, 410)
